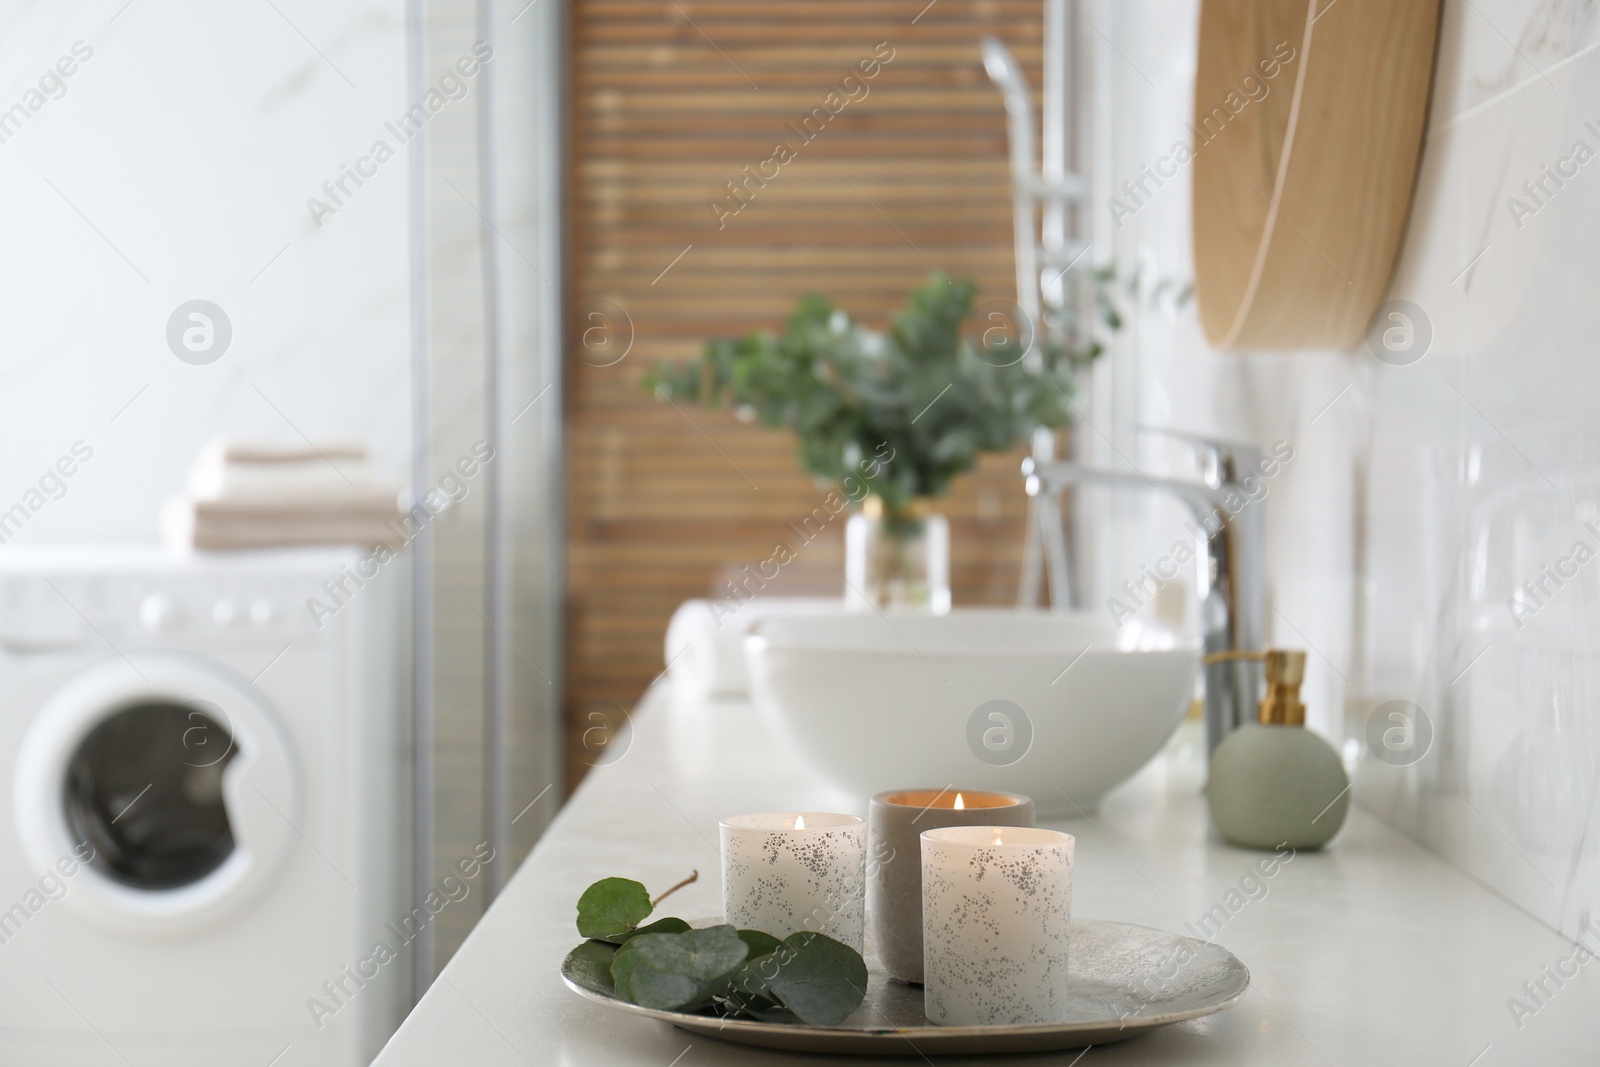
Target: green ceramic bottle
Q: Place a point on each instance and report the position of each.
(1276, 783)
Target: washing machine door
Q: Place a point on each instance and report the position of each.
(170, 779)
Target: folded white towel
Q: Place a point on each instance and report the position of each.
(258, 494)
(705, 641)
(191, 524)
(337, 473)
(220, 450)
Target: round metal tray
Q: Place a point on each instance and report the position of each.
(1124, 981)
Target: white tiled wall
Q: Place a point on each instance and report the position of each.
(1422, 496)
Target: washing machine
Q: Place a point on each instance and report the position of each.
(205, 825)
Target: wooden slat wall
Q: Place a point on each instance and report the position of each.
(665, 504)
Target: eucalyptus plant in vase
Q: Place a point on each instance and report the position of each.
(892, 417)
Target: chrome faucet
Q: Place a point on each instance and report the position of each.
(1231, 608)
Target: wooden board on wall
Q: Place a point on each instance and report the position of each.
(670, 101)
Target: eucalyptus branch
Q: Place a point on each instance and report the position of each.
(694, 876)
(848, 392)
(668, 965)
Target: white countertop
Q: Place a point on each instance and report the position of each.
(1373, 951)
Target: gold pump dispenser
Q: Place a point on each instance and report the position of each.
(1270, 786)
(1285, 672)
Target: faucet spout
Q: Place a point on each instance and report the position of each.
(1232, 524)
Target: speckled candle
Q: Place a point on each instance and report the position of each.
(783, 872)
(995, 905)
(895, 822)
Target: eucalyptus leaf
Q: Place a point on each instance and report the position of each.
(750, 981)
(748, 992)
(760, 943)
(672, 992)
(612, 906)
(679, 970)
(622, 966)
(668, 925)
(819, 979)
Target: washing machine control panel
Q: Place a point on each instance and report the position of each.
(158, 613)
(44, 612)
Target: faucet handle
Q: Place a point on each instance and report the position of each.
(1231, 458)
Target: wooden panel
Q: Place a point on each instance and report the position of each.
(1302, 193)
(665, 504)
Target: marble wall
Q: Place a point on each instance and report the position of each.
(1422, 497)
(175, 163)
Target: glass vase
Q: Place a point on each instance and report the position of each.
(897, 559)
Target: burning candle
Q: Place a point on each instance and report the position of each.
(783, 872)
(895, 821)
(996, 901)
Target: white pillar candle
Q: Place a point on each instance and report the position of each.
(996, 901)
(783, 872)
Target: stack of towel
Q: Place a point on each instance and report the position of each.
(259, 495)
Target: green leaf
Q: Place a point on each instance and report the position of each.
(748, 993)
(760, 944)
(622, 966)
(749, 982)
(819, 979)
(924, 385)
(612, 906)
(660, 926)
(678, 970)
(590, 966)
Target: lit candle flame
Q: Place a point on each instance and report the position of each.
(799, 822)
(960, 804)
(997, 837)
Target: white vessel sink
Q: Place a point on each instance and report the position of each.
(874, 702)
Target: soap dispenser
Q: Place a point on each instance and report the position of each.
(1276, 783)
